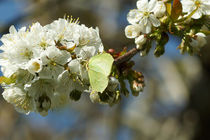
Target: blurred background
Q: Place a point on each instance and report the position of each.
(175, 104)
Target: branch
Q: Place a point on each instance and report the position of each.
(127, 56)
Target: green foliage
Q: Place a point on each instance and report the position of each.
(7, 80)
(176, 10)
(161, 42)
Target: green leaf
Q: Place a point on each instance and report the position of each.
(176, 9)
(99, 68)
(168, 8)
(7, 80)
(159, 50)
(161, 42)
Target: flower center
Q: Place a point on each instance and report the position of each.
(43, 44)
(27, 54)
(146, 13)
(198, 3)
(23, 102)
(36, 66)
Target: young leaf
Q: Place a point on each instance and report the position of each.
(7, 80)
(168, 8)
(161, 42)
(176, 9)
(99, 68)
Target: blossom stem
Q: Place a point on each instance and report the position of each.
(127, 56)
(205, 32)
(188, 17)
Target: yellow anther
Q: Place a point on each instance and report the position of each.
(198, 3)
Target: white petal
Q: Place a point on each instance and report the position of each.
(205, 2)
(16, 96)
(134, 16)
(201, 34)
(144, 21)
(159, 9)
(74, 66)
(132, 31)
(155, 22)
(140, 40)
(12, 29)
(34, 65)
(206, 9)
(197, 14)
(142, 4)
(152, 5)
(194, 43)
(187, 5)
(59, 56)
(201, 39)
(87, 52)
(146, 26)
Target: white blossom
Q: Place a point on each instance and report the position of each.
(86, 52)
(141, 40)
(53, 60)
(159, 9)
(202, 7)
(75, 66)
(199, 40)
(144, 15)
(34, 66)
(47, 63)
(20, 99)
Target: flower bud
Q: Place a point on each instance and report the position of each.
(43, 105)
(132, 31)
(139, 47)
(141, 40)
(143, 52)
(34, 66)
(105, 97)
(160, 9)
(136, 88)
(75, 95)
(113, 83)
(94, 97)
(159, 50)
(199, 40)
(164, 19)
(111, 51)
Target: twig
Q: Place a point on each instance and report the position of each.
(127, 56)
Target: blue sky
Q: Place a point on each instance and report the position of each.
(9, 9)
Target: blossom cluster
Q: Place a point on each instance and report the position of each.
(155, 19)
(45, 66)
